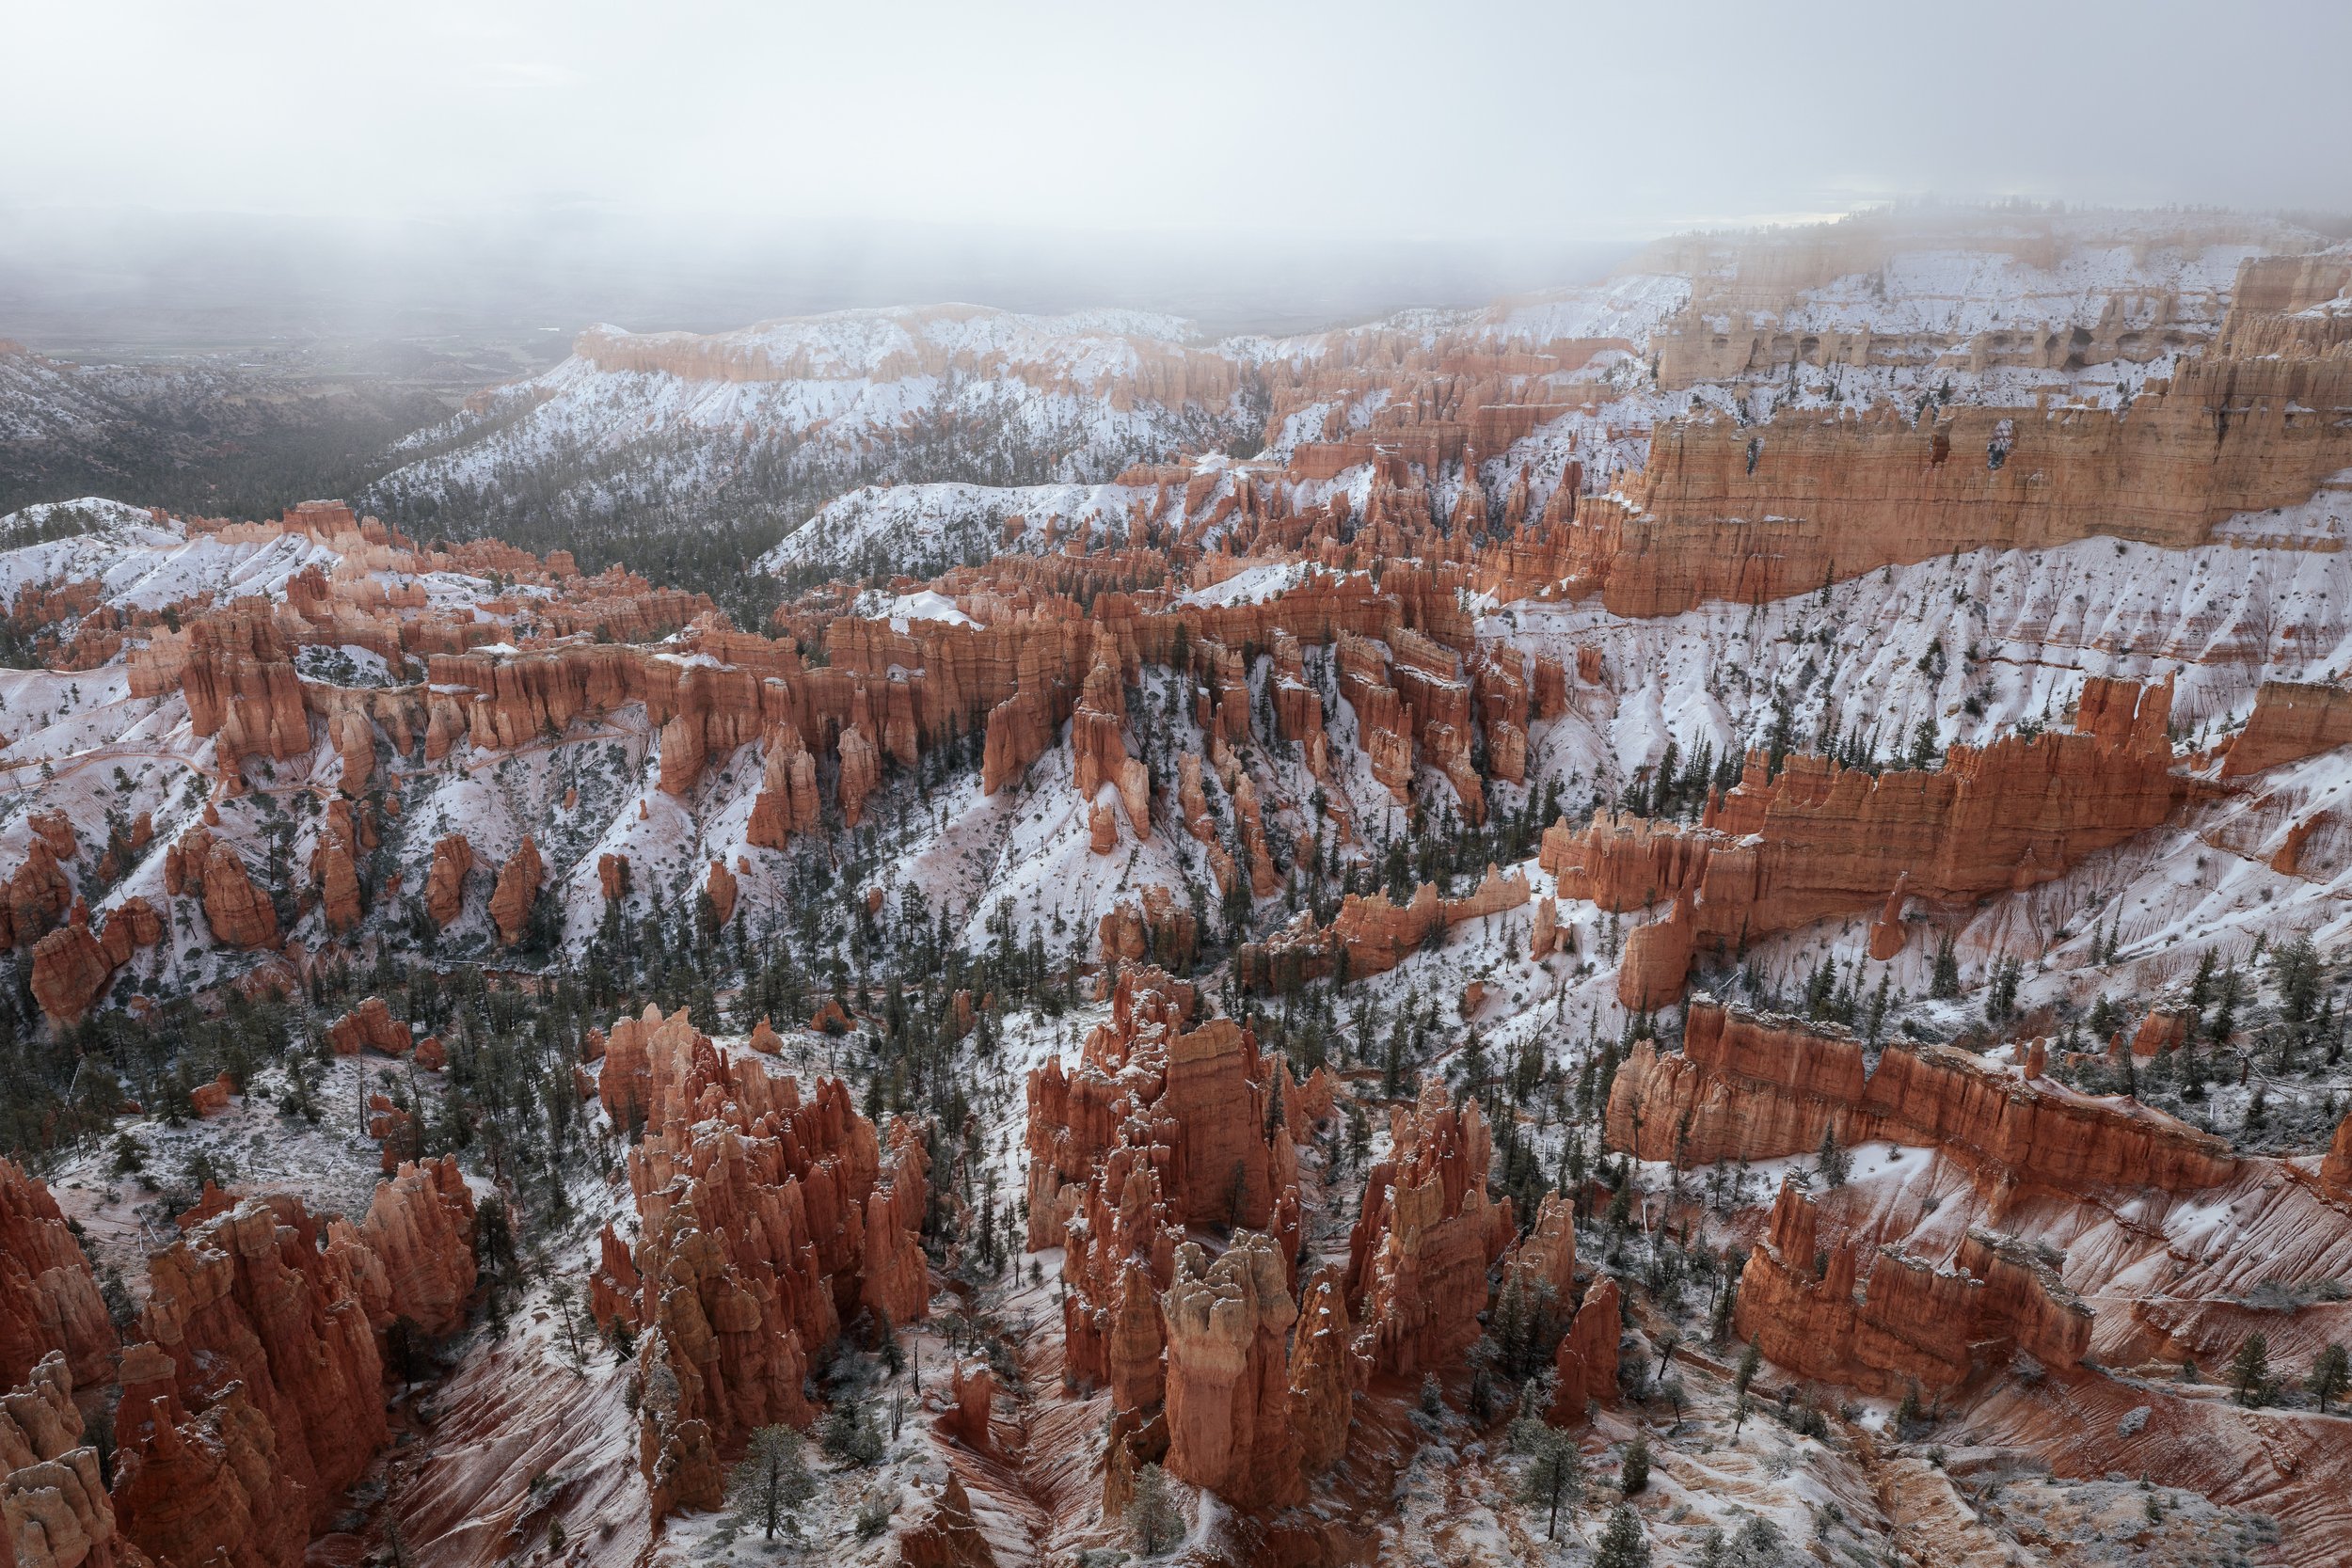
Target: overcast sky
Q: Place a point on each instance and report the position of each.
(1501, 120)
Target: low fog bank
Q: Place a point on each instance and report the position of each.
(129, 282)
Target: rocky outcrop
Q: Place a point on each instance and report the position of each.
(204, 1488)
(719, 886)
(1098, 745)
(766, 1219)
(1584, 1367)
(237, 913)
(1813, 840)
(1158, 1129)
(445, 885)
(370, 1026)
(72, 967)
(419, 1233)
(1326, 1370)
(49, 1299)
(53, 1508)
(971, 1393)
(1915, 1326)
(787, 803)
(257, 1399)
(1427, 1235)
(241, 685)
(1754, 1087)
(1726, 509)
(1371, 935)
(2335, 1168)
(1229, 1394)
(36, 894)
(518, 891)
(948, 1536)
(895, 1278)
(2292, 720)
(1152, 929)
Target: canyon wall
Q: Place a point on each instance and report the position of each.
(1755, 1087)
(49, 1299)
(1915, 1326)
(53, 1508)
(2292, 720)
(1726, 509)
(767, 1222)
(1816, 840)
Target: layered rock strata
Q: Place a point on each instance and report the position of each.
(1815, 840)
(53, 1508)
(1428, 1236)
(768, 1221)
(1915, 1326)
(1756, 1088)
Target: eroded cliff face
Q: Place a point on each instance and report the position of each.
(49, 1299)
(1156, 1129)
(1915, 1326)
(1371, 935)
(1724, 510)
(1780, 850)
(767, 1222)
(1750, 1087)
(255, 1396)
(2292, 720)
(53, 1508)
(1246, 1378)
(260, 1326)
(1229, 1392)
(1420, 1253)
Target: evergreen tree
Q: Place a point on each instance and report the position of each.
(1153, 1516)
(1834, 1163)
(771, 1480)
(1623, 1544)
(2331, 1375)
(1634, 1479)
(1945, 983)
(1555, 1471)
(2250, 1373)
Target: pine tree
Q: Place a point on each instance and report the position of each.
(1834, 1163)
(1751, 1362)
(2250, 1374)
(1623, 1544)
(1945, 984)
(2331, 1375)
(1152, 1515)
(1555, 1474)
(565, 1297)
(1634, 1479)
(771, 1480)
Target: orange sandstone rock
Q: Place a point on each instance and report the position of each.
(1915, 1324)
(518, 891)
(1585, 1364)
(720, 885)
(1227, 1378)
(1427, 1236)
(1816, 840)
(445, 886)
(49, 1299)
(971, 1391)
(53, 1507)
(370, 1026)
